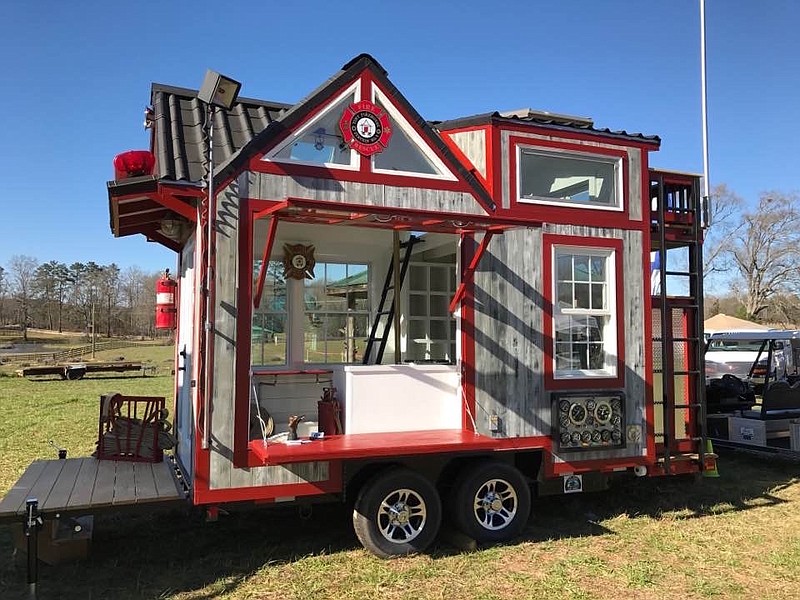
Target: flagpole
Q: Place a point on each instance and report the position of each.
(706, 185)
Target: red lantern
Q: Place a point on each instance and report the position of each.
(133, 163)
(166, 307)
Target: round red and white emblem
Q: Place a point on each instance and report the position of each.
(365, 127)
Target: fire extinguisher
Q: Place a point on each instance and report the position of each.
(166, 310)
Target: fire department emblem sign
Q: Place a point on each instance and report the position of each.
(365, 127)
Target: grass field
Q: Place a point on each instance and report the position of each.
(733, 537)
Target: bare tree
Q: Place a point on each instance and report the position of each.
(765, 251)
(23, 272)
(3, 292)
(725, 213)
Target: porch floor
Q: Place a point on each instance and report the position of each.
(362, 445)
(84, 484)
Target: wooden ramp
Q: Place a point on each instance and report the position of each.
(82, 485)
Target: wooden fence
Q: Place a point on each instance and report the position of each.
(73, 354)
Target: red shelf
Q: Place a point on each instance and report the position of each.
(363, 445)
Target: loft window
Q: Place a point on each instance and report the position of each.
(320, 142)
(584, 313)
(336, 308)
(567, 178)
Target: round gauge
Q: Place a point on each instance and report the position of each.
(615, 420)
(586, 437)
(605, 435)
(602, 412)
(575, 437)
(596, 436)
(563, 420)
(616, 405)
(565, 438)
(564, 405)
(590, 404)
(616, 437)
(577, 413)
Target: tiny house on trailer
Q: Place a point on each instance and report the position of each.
(428, 319)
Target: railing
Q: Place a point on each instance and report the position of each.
(77, 352)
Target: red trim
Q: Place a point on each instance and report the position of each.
(468, 274)
(364, 172)
(379, 445)
(244, 316)
(333, 485)
(564, 213)
(521, 127)
(262, 271)
(551, 383)
(603, 465)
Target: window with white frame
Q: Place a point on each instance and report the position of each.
(584, 315)
(591, 181)
(336, 307)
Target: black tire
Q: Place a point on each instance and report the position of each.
(383, 530)
(490, 502)
(75, 374)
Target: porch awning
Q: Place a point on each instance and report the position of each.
(153, 208)
(301, 210)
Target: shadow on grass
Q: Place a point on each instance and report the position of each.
(161, 554)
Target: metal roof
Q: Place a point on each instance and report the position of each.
(545, 119)
(178, 118)
(756, 336)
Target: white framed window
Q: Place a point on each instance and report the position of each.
(571, 178)
(336, 305)
(319, 142)
(584, 312)
(431, 327)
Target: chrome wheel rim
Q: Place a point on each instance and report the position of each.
(402, 516)
(495, 504)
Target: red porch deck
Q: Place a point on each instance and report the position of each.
(372, 445)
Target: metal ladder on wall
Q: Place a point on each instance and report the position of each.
(682, 201)
(379, 332)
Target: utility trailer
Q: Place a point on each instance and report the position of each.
(427, 319)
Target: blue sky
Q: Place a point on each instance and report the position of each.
(78, 74)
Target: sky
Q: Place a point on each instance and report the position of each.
(78, 78)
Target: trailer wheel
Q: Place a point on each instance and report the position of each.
(491, 502)
(397, 512)
(75, 374)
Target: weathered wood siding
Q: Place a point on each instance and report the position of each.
(473, 145)
(509, 304)
(279, 187)
(226, 278)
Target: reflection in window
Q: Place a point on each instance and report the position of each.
(268, 328)
(322, 143)
(584, 328)
(573, 179)
(336, 323)
(402, 154)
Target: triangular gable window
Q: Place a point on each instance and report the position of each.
(407, 153)
(319, 142)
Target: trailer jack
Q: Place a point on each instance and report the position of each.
(33, 523)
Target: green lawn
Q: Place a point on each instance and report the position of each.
(733, 537)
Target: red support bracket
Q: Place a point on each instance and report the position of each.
(470, 272)
(277, 207)
(262, 271)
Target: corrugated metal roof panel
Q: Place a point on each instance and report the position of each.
(180, 145)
